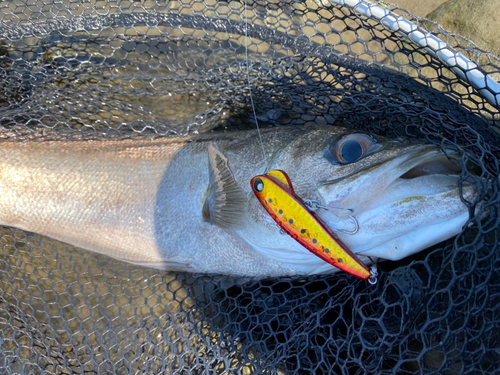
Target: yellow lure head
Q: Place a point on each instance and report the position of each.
(275, 192)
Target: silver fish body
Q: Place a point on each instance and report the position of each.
(145, 201)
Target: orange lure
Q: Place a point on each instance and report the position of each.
(275, 192)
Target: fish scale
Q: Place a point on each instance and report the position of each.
(275, 192)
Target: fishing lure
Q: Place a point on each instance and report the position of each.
(275, 192)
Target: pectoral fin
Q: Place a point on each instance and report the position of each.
(226, 202)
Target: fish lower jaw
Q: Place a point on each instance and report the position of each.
(413, 242)
(431, 190)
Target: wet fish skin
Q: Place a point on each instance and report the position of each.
(142, 201)
(134, 200)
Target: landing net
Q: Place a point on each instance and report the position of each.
(120, 69)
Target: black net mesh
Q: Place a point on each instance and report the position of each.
(119, 69)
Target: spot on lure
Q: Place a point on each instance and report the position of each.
(275, 192)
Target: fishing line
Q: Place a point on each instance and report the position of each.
(250, 87)
(335, 257)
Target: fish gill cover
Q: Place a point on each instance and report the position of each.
(120, 69)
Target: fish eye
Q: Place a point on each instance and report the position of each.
(351, 148)
(351, 151)
(258, 185)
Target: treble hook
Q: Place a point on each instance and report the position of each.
(315, 205)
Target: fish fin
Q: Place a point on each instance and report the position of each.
(226, 202)
(282, 178)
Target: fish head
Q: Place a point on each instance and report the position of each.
(404, 197)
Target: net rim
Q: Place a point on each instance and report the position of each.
(465, 69)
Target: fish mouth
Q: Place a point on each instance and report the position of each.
(433, 167)
(439, 164)
(402, 205)
(417, 169)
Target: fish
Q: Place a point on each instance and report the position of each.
(185, 203)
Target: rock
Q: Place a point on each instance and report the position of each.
(418, 7)
(477, 20)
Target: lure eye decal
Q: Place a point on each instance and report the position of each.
(258, 185)
(274, 191)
